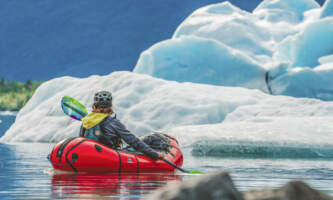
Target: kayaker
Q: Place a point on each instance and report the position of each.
(102, 125)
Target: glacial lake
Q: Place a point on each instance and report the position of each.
(27, 174)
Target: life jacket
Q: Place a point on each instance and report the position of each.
(92, 129)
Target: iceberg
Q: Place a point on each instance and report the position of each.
(227, 24)
(285, 10)
(240, 48)
(306, 47)
(306, 82)
(198, 60)
(210, 120)
(279, 126)
(327, 9)
(326, 59)
(142, 103)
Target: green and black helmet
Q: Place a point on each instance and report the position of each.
(103, 99)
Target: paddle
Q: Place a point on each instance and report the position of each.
(73, 108)
(190, 171)
(76, 110)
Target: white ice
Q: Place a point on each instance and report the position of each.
(305, 48)
(327, 9)
(221, 44)
(326, 59)
(203, 117)
(142, 103)
(198, 60)
(285, 10)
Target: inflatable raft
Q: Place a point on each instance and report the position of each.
(85, 155)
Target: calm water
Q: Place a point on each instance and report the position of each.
(25, 173)
(6, 120)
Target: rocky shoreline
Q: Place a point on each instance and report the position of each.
(220, 186)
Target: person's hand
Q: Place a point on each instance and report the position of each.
(160, 155)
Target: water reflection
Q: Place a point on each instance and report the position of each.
(117, 186)
(6, 173)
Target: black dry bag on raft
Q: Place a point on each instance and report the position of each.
(157, 141)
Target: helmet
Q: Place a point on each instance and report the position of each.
(103, 99)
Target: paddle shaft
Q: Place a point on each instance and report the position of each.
(173, 165)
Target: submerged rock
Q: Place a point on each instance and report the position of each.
(295, 190)
(207, 187)
(220, 186)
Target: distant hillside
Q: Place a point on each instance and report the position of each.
(43, 39)
(14, 95)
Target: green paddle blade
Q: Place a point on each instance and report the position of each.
(73, 108)
(194, 171)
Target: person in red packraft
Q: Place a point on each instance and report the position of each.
(102, 125)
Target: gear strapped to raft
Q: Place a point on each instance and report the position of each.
(157, 141)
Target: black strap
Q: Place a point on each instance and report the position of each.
(137, 164)
(119, 170)
(71, 149)
(62, 147)
(62, 165)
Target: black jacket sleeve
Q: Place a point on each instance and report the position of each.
(81, 131)
(114, 126)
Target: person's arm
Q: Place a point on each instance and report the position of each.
(115, 126)
(81, 131)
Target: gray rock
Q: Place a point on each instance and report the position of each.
(204, 187)
(295, 190)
